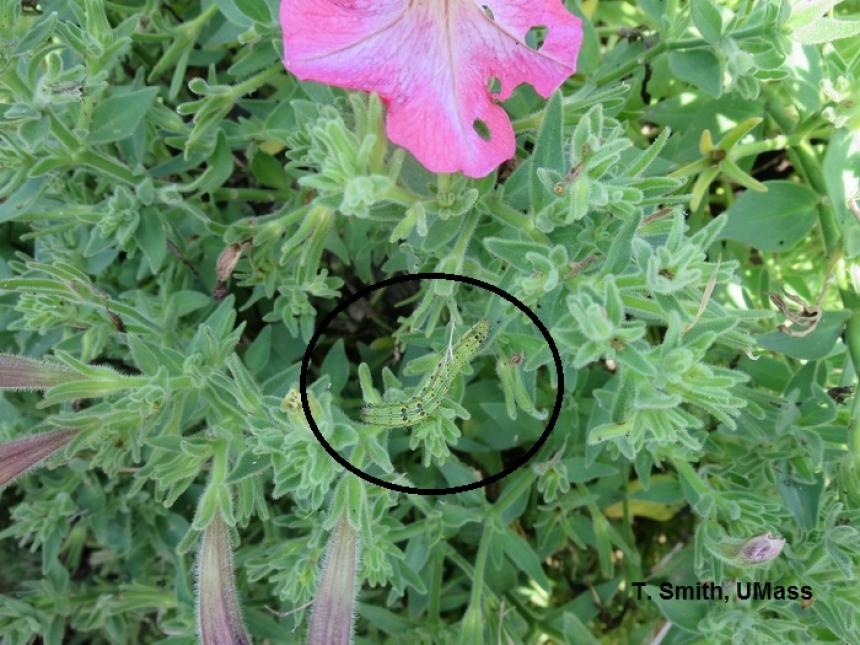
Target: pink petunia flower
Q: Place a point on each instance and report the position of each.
(434, 63)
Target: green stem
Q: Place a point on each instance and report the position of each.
(511, 494)
(852, 339)
(63, 134)
(400, 195)
(257, 81)
(662, 47)
(691, 476)
(443, 183)
(632, 65)
(528, 611)
(514, 218)
(251, 195)
(466, 234)
(108, 165)
(766, 145)
(220, 452)
(806, 162)
(408, 531)
(740, 34)
(195, 25)
(480, 567)
(434, 605)
(830, 231)
(855, 441)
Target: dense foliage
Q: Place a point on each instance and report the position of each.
(178, 212)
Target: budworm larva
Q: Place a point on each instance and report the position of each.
(433, 388)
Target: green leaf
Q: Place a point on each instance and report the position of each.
(248, 465)
(805, 11)
(118, 116)
(220, 165)
(548, 153)
(151, 237)
(812, 347)
(707, 18)
(257, 355)
(841, 168)
(772, 221)
(801, 498)
(683, 613)
(699, 67)
(522, 554)
(336, 366)
(270, 171)
(384, 620)
(257, 10)
(514, 252)
(825, 30)
(575, 630)
(734, 172)
(187, 301)
(230, 10)
(17, 205)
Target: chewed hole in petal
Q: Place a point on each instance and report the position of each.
(488, 12)
(536, 37)
(482, 130)
(494, 86)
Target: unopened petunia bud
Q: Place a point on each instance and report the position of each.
(18, 456)
(334, 605)
(761, 548)
(472, 629)
(22, 373)
(218, 614)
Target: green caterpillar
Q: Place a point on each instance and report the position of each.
(433, 388)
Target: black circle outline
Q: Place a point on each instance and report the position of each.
(451, 277)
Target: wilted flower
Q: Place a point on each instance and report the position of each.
(224, 267)
(18, 456)
(441, 66)
(334, 604)
(761, 549)
(22, 373)
(220, 620)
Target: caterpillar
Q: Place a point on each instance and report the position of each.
(433, 388)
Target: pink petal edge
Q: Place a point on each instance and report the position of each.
(431, 62)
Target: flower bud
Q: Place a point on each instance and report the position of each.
(472, 629)
(761, 548)
(22, 373)
(334, 604)
(220, 620)
(18, 456)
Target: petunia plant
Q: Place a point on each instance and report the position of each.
(189, 188)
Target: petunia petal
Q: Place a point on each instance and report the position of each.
(218, 613)
(20, 455)
(23, 373)
(334, 604)
(432, 62)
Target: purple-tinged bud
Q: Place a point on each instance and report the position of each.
(22, 373)
(218, 615)
(18, 456)
(761, 548)
(334, 604)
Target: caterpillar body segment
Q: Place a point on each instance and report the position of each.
(433, 388)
